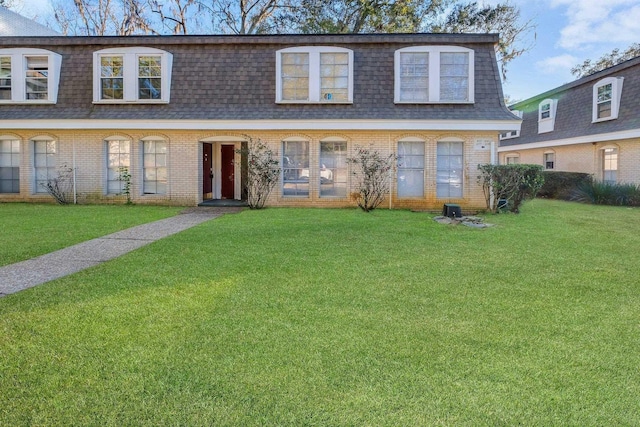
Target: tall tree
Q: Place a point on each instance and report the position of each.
(607, 60)
(103, 17)
(503, 18)
(245, 16)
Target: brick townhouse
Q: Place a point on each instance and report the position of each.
(174, 110)
(591, 125)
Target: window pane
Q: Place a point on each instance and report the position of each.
(9, 166)
(414, 77)
(149, 77)
(454, 76)
(37, 74)
(295, 168)
(334, 77)
(5, 77)
(154, 167)
(45, 163)
(411, 169)
(295, 76)
(333, 169)
(118, 162)
(449, 170)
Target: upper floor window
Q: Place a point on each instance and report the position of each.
(29, 76)
(131, 74)
(434, 74)
(320, 74)
(547, 115)
(606, 98)
(512, 133)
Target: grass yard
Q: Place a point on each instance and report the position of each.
(340, 318)
(28, 230)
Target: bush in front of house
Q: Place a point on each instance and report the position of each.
(263, 172)
(562, 185)
(606, 193)
(508, 186)
(372, 172)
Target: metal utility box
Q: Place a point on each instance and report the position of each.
(451, 210)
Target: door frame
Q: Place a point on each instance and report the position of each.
(217, 143)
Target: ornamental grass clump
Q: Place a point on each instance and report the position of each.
(608, 193)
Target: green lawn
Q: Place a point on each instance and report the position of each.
(28, 230)
(337, 317)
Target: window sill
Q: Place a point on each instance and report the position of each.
(35, 102)
(316, 102)
(121, 102)
(435, 102)
(606, 119)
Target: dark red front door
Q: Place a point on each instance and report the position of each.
(207, 171)
(227, 170)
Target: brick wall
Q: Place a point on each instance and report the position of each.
(87, 151)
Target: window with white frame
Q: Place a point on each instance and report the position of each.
(29, 76)
(610, 165)
(333, 168)
(512, 159)
(154, 166)
(45, 162)
(314, 74)
(5, 78)
(434, 74)
(606, 98)
(295, 168)
(9, 165)
(549, 160)
(547, 115)
(132, 74)
(513, 133)
(410, 168)
(449, 173)
(118, 164)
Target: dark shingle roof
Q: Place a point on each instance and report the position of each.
(574, 109)
(233, 77)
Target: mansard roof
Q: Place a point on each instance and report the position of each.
(234, 77)
(574, 108)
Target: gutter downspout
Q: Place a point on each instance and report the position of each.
(75, 192)
(494, 161)
(390, 177)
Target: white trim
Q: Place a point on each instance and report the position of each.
(246, 125)
(314, 74)
(588, 139)
(616, 93)
(224, 138)
(334, 139)
(512, 134)
(411, 139)
(547, 124)
(18, 75)
(130, 74)
(434, 73)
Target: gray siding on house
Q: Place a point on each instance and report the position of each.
(233, 78)
(574, 109)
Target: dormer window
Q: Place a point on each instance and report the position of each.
(29, 76)
(547, 115)
(314, 74)
(606, 98)
(131, 75)
(434, 74)
(513, 133)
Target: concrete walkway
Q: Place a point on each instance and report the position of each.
(33, 272)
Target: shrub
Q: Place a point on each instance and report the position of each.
(372, 171)
(509, 185)
(562, 185)
(606, 193)
(262, 174)
(60, 187)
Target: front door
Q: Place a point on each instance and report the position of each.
(227, 171)
(207, 171)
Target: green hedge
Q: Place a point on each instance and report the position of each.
(563, 185)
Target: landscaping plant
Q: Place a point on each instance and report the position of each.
(509, 184)
(263, 171)
(372, 171)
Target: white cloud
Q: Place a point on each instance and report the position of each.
(557, 64)
(597, 21)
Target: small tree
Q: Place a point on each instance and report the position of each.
(372, 171)
(60, 186)
(511, 183)
(125, 177)
(263, 171)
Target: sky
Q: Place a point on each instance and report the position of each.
(566, 33)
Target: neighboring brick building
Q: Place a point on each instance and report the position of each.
(591, 125)
(173, 110)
